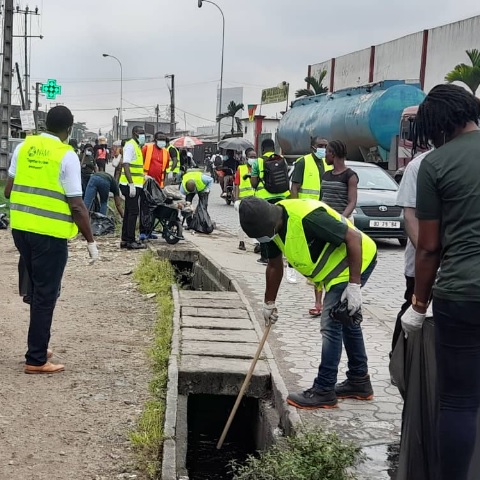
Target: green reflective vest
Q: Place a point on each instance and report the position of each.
(170, 165)
(312, 183)
(331, 268)
(38, 201)
(261, 191)
(136, 167)
(245, 188)
(197, 178)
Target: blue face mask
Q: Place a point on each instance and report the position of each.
(141, 139)
(225, 157)
(320, 152)
(161, 144)
(265, 239)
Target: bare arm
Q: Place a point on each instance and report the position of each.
(294, 190)
(353, 240)
(254, 181)
(118, 205)
(81, 217)
(273, 275)
(427, 259)
(411, 225)
(352, 196)
(126, 169)
(8, 187)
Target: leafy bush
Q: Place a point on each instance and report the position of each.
(310, 455)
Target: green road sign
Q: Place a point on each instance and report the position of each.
(51, 89)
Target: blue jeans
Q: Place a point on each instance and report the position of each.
(333, 333)
(102, 187)
(457, 348)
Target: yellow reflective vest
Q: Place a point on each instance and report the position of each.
(136, 167)
(245, 188)
(170, 165)
(38, 201)
(312, 183)
(197, 178)
(331, 268)
(261, 191)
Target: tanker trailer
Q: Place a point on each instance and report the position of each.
(367, 118)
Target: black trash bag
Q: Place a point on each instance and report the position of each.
(339, 313)
(200, 221)
(414, 369)
(101, 224)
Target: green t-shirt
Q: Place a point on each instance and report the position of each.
(448, 190)
(319, 227)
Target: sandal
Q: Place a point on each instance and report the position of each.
(315, 312)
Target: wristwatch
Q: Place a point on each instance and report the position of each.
(418, 303)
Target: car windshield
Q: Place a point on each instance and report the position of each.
(374, 178)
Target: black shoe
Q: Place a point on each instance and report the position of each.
(136, 246)
(312, 399)
(256, 248)
(360, 389)
(241, 246)
(123, 244)
(262, 261)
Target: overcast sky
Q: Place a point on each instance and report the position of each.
(266, 42)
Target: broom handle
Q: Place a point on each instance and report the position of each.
(244, 387)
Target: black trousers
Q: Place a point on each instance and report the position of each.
(131, 214)
(44, 258)
(410, 288)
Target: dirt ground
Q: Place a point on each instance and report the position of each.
(74, 425)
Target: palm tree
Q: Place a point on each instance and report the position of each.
(467, 74)
(315, 86)
(232, 109)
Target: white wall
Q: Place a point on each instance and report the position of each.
(399, 59)
(270, 125)
(318, 68)
(352, 70)
(446, 48)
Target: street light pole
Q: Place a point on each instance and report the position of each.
(200, 2)
(120, 116)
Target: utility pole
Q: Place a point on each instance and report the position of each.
(37, 104)
(19, 79)
(25, 36)
(6, 96)
(157, 113)
(172, 103)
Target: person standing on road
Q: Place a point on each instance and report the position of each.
(243, 188)
(230, 163)
(156, 158)
(46, 209)
(258, 183)
(328, 250)
(102, 183)
(448, 212)
(88, 165)
(131, 186)
(102, 153)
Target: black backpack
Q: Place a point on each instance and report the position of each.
(275, 174)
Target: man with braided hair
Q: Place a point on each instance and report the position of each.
(448, 212)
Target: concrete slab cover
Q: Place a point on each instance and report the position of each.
(211, 312)
(217, 323)
(219, 349)
(222, 304)
(232, 336)
(200, 295)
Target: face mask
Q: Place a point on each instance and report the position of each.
(161, 144)
(251, 161)
(225, 157)
(141, 139)
(320, 152)
(266, 239)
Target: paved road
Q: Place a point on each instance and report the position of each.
(296, 337)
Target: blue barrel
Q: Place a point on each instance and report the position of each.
(366, 116)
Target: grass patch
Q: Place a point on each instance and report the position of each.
(155, 276)
(310, 455)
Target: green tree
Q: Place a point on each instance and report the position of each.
(232, 109)
(315, 86)
(467, 74)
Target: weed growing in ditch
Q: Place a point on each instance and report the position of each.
(310, 455)
(155, 276)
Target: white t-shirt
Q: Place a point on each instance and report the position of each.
(70, 172)
(407, 198)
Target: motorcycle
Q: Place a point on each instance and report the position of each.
(228, 193)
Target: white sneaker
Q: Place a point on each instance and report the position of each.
(291, 275)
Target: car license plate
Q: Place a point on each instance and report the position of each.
(384, 224)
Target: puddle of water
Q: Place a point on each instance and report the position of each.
(381, 464)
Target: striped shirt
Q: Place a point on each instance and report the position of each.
(335, 189)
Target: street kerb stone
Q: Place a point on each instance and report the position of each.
(224, 323)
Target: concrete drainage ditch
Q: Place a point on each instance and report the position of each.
(214, 340)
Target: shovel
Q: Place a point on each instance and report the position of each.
(246, 382)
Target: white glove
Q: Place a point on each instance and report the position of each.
(206, 190)
(93, 252)
(412, 320)
(133, 190)
(270, 313)
(170, 176)
(353, 294)
(236, 205)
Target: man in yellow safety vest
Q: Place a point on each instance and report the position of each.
(131, 186)
(46, 209)
(328, 250)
